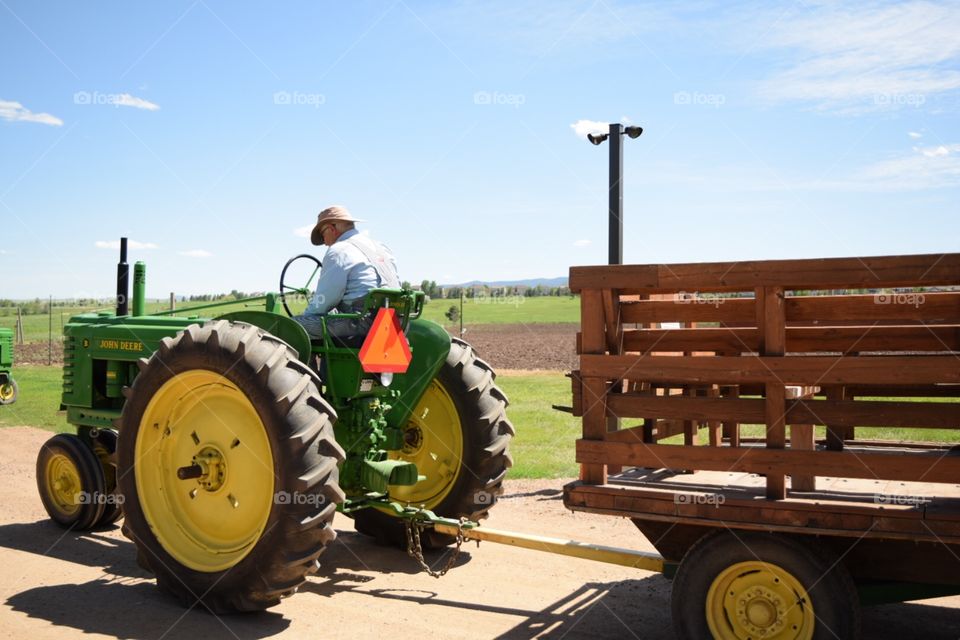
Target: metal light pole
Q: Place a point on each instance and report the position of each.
(615, 213)
(615, 206)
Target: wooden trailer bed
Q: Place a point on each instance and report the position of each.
(813, 351)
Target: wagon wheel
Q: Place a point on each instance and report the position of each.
(735, 586)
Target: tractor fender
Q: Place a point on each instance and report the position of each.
(287, 329)
(429, 345)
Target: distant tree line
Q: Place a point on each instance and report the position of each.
(430, 288)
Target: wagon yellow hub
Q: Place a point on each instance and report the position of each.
(433, 440)
(63, 483)
(210, 519)
(755, 600)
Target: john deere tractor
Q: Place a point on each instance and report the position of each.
(228, 442)
(8, 386)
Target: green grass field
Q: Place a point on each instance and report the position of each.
(511, 309)
(543, 447)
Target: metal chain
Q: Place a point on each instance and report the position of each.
(415, 549)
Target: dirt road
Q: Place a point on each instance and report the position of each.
(64, 585)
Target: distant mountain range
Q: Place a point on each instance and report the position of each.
(531, 282)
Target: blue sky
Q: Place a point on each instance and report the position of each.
(211, 134)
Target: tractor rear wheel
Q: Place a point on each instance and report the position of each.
(70, 482)
(458, 435)
(228, 466)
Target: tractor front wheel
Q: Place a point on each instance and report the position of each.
(228, 466)
(458, 435)
(8, 391)
(70, 482)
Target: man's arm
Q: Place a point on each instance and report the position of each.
(330, 286)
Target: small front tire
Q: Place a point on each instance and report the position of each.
(70, 482)
(9, 390)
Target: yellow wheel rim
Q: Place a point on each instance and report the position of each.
(433, 440)
(6, 392)
(756, 601)
(207, 523)
(63, 484)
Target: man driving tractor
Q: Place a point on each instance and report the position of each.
(353, 266)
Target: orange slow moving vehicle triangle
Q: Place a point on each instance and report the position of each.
(385, 350)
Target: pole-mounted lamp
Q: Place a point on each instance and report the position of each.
(615, 208)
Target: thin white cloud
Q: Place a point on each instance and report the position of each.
(127, 100)
(304, 232)
(131, 244)
(582, 243)
(583, 127)
(543, 29)
(861, 57)
(196, 253)
(915, 135)
(925, 168)
(937, 152)
(16, 112)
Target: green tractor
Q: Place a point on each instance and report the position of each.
(228, 442)
(8, 386)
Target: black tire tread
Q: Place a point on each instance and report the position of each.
(832, 591)
(296, 534)
(91, 479)
(472, 380)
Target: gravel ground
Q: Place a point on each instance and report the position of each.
(59, 585)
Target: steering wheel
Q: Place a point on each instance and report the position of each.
(304, 290)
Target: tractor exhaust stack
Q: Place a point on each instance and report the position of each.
(123, 280)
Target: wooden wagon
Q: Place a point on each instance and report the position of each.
(791, 512)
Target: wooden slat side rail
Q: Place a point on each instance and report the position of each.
(614, 330)
(823, 273)
(933, 466)
(799, 339)
(773, 345)
(611, 316)
(593, 388)
(840, 413)
(905, 390)
(732, 311)
(924, 308)
(760, 342)
(799, 370)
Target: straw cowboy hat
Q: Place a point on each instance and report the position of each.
(336, 213)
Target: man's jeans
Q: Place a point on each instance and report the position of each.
(344, 332)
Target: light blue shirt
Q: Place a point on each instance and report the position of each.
(346, 274)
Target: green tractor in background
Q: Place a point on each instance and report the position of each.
(228, 442)
(8, 386)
